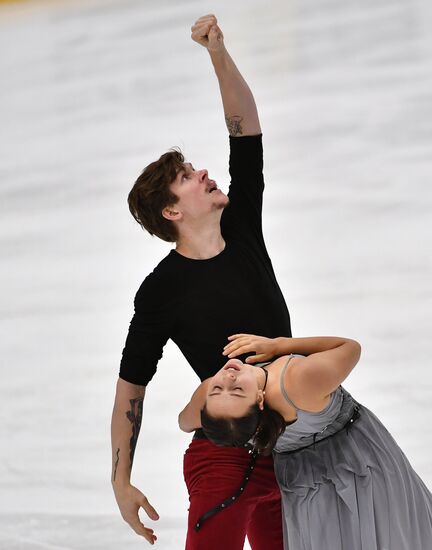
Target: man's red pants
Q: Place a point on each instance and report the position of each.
(214, 473)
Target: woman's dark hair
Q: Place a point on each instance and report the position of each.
(262, 426)
(151, 193)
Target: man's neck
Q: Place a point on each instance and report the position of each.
(201, 244)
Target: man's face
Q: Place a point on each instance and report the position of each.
(198, 195)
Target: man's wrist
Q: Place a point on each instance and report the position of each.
(218, 56)
(120, 483)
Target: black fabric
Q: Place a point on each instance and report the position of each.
(199, 303)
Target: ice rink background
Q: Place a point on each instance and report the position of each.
(91, 91)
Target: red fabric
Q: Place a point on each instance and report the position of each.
(214, 473)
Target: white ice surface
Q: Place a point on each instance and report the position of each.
(90, 92)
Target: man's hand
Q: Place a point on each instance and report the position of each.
(130, 500)
(206, 32)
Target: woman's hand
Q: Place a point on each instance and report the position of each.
(264, 348)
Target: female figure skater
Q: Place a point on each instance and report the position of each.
(345, 483)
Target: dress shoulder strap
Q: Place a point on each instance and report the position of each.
(282, 385)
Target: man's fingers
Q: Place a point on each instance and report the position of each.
(200, 27)
(206, 19)
(201, 33)
(130, 501)
(149, 510)
(203, 25)
(149, 536)
(145, 532)
(214, 29)
(215, 37)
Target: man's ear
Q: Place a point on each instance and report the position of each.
(171, 213)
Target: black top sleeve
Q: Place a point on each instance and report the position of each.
(148, 333)
(242, 218)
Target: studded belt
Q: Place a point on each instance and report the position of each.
(231, 499)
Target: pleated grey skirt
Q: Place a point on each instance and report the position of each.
(355, 490)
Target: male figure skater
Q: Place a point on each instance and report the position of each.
(218, 281)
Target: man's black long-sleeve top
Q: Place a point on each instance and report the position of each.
(199, 303)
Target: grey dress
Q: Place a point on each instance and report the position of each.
(354, 490)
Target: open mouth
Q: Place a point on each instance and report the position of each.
(212, 187)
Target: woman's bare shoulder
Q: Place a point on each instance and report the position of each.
(299, 390)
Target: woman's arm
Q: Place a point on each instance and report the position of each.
(190, 417)
(329, 359)
(311, 345)
(269, 348)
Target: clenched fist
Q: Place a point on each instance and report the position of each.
(206, 32)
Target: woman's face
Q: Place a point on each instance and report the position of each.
(233, 390)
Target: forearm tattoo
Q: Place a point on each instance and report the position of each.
(116, 464)
(135, 417)
(234, 125)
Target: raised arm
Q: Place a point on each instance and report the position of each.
(125, 428)
(241, 114)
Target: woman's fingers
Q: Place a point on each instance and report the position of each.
(235, 336)
(248, 343)
(243, 346)
(238, 342)
(238, 339)
(234, 346)
(240, 351)
(257, 358)
(242, 343)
